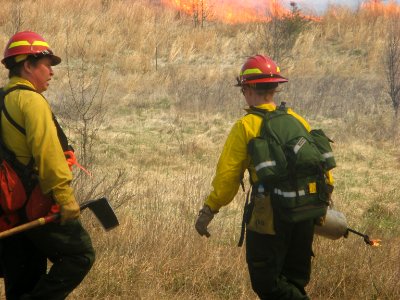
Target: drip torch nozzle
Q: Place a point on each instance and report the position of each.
(367, 240)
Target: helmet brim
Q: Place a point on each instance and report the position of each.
(55, 60)
(262, 80)
(267, 80)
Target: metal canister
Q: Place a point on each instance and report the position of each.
(334, 227)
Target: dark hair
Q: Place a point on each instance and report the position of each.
(265, 85)
(264, 88)
(14, 68)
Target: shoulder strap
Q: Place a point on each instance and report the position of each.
(4, 109)
(280, 110)
(60, 133)
(7, 154)
(267, 116)
(61, 136)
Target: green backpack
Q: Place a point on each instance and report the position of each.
(290, 164)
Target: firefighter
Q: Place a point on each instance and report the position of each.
(278, 253)
(23, 257)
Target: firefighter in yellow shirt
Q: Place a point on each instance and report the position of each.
(29, 131)
(278, 253)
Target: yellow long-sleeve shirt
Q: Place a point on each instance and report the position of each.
(31, 111)
(234, 159)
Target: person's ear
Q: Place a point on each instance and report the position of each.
(250, 91)
(27, 67)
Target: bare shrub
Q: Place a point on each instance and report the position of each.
(83, 110)
(392, 62)
(279, 35)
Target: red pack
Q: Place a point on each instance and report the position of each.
(40, 205)
(15, 206)
(12, 196)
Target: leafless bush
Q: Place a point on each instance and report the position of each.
(279, 35)
(392, 62)
(83, 110)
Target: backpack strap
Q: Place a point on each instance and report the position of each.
(60, 133)
(24, 171)
(5, 152)
(4, 109)
(247, 210)
(61, 136)
(266, 116)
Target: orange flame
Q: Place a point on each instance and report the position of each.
(378, 8)
(375, 243)
(239, 11)
(233, 11)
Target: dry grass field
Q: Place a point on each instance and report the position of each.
(160, 101)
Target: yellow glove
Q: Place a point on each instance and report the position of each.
(204, 218)
(69, 210)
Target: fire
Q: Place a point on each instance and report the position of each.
(231, 11)
(240, 11)
(375, 243)
(378, 8)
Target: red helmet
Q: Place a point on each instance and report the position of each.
(27, 43)
(260, 69)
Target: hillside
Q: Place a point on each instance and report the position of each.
(337, 57)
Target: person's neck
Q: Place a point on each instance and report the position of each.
(261, 101)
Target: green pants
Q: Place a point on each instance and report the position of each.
(24, 257)
(280, 265)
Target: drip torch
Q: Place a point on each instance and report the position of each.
(335, 227)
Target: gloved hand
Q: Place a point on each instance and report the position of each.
(204, 218)
(69, 210)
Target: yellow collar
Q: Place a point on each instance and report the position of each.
(265, 106)
(15, 80)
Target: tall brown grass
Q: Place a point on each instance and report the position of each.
(171, 102)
